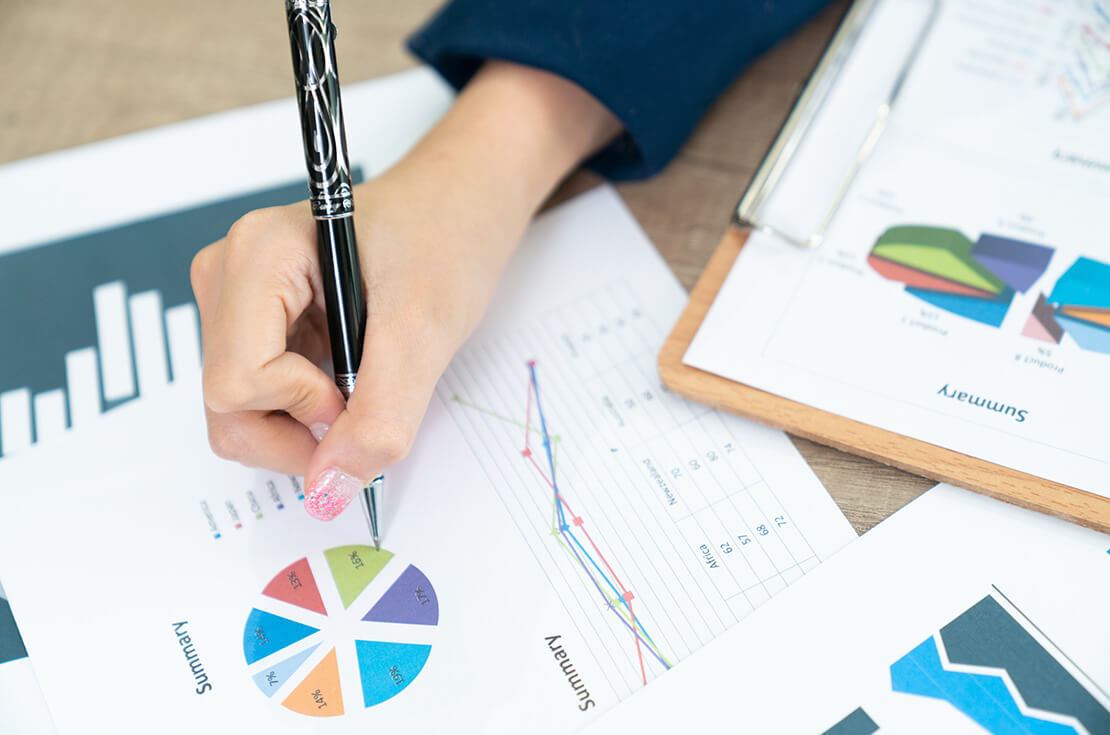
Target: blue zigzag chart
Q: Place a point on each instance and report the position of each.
(992, 670)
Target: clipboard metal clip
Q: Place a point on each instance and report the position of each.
(786, 172)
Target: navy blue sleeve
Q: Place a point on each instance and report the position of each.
(656, 64)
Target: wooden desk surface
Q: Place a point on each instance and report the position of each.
(76, 71)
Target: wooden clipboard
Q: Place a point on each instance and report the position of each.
(912, 455)
(854, 437)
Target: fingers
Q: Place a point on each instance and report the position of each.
(395, 384)
(206, 275)
(252, 290)
(258, 439)
(266, 282)
(288, 383)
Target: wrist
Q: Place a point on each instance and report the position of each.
(512, 135)
(548, 123)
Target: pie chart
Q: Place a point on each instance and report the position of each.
(340, 631)
(944, 268)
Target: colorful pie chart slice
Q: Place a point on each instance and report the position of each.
(411, 600)
(296, 585)
(266, 633)
(1089, 336)
(1101, 317)
(271, 679)
(987, 311)
(386, 669)
(1086, 283)
(1018, 264)
(938, 251)
(353, 568)
(319, 694)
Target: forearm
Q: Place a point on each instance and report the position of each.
(525, 122)
(512, 135)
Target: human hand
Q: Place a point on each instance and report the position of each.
(434, 235)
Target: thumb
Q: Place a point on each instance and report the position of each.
(376, 430)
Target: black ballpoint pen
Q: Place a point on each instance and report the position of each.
(312, 39)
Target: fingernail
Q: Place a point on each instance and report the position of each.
(330, 493)
(319, 431)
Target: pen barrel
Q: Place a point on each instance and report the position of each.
(312, 41)
(343, 300)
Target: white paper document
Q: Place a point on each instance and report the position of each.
(962, 292)
(564, 532)
(95, 304)
(959, 614)
(22, 706)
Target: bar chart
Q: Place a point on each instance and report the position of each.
(100, 319)
(141, 347)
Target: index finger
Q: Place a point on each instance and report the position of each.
(268, 279)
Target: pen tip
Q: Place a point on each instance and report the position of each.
(371, 497)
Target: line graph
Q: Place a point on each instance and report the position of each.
(646, 514)
(566, 531)
(1084, 75)
(592, 560)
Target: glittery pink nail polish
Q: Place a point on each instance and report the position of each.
(332, 490)
(319, 431)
